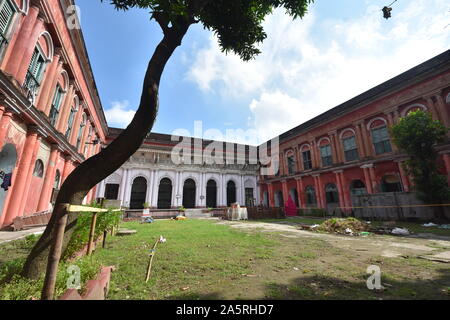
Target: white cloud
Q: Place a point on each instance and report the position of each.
(309, 66)
(120, 114)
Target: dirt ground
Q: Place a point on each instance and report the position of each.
(309, 265)
(420, 245)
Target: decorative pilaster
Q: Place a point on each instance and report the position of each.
(20, 181)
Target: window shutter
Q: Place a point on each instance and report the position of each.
(6, 14)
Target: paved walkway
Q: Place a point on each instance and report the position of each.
(6, 236)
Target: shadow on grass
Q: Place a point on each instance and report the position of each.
(331, 288)
(196, 296)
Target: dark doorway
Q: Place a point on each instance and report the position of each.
(211, 194)
(294, 196)
(249, 198)
(165, 194)
(55, 189)
(279, 199)
(138, 192)
(189, 194)
(111, 191)
(357, 188)
(8, 158)
(331, 194)
(391, 183)
(231, 193)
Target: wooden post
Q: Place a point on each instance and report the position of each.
(149, 268)
(48, 290)
(91, 233)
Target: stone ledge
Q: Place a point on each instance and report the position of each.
(95, 289)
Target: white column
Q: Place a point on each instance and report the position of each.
(242, 203)
(177, 202)
(201, 190)
(123, 184)
(101, 189)
(128, 186)
(224, 190)
(148, 197)
(155, 187)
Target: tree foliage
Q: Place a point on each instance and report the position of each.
(417, 135)
(236, 23)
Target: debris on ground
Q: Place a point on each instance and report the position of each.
(346, 226)
(148, 220)
(400, 231)
(430, 224)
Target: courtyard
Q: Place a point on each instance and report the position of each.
(273, 259)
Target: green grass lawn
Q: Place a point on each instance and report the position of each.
(198, 257)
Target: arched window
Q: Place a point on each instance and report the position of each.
(348, 139)
(380, 136)
(38, 168)
(57, 179)
(331, 193)
(7, 11)
(306, 157)
(56, 104)
(72, 113)
(325, 152)
(290, 159)
(165, 194)
(35, 71)
(310, 196)
(80, 131)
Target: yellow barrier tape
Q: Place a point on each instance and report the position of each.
(405, 206)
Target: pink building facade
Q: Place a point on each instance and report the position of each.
(347, 150)
(51, 118)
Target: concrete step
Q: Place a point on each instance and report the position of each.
(196, 213)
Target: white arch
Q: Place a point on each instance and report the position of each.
(139, 176)
(346, 130)
(369, 125)
(305, 145)
(77, 102)
(415, 105)
(322, 139)
(192, 178)
(164, 177)
(49, 40)
(249, 183)
(66, 79)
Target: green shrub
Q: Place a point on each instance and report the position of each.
(15, 287)
(80, 237)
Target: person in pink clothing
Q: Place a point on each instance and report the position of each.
(290, 208)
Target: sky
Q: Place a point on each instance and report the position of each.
(308, 66)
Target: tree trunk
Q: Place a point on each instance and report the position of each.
(100, 166)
